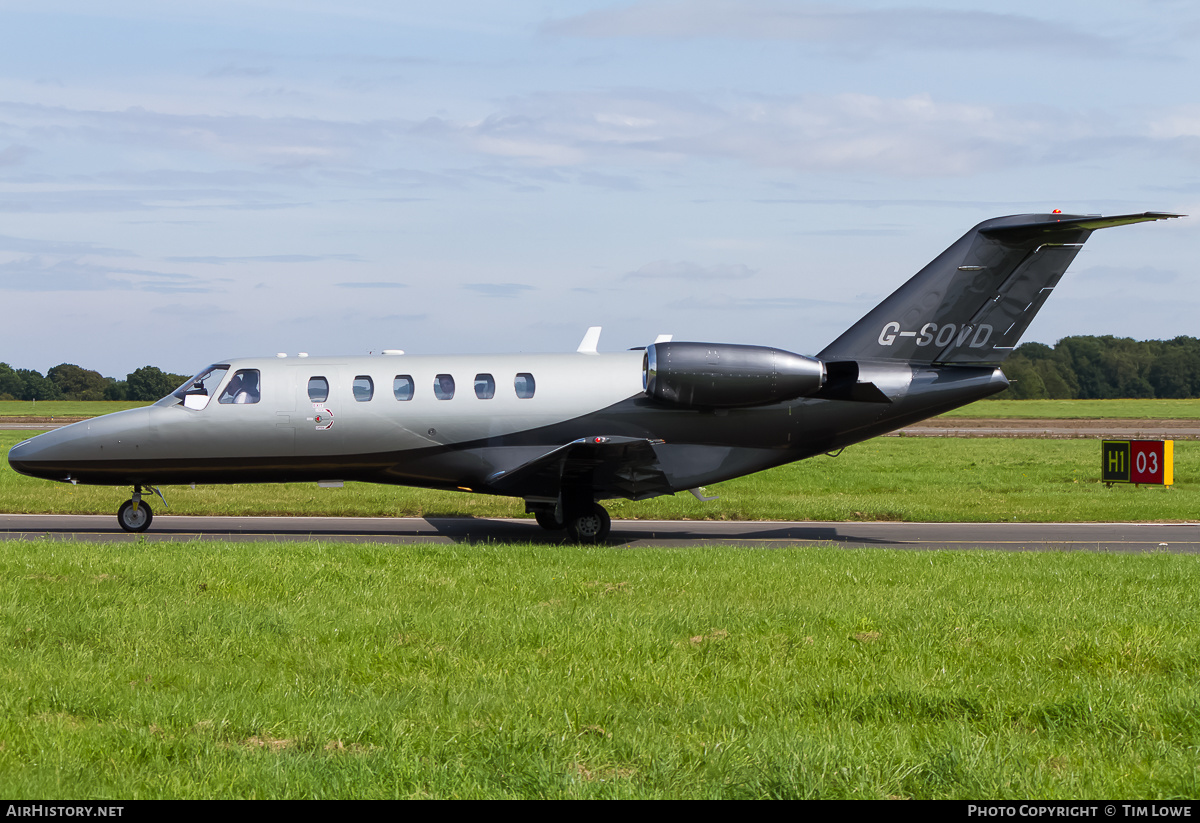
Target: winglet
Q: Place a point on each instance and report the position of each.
(590, 341)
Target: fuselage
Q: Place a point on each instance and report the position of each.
(462, 422)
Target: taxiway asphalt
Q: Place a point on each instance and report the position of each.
(1110, 537)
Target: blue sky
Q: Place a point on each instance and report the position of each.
(181, 186)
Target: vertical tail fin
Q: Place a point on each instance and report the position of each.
(974, 301)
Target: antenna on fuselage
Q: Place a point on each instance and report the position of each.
(590, 341)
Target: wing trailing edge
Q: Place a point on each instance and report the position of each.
(625, 467)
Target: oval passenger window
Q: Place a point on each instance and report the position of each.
(318, 389)
(524, 385)
(364, 388)
(443, 387)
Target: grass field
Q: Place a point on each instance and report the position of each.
(64, 408)
(894, 478)
(1059, 409)
(365, 671)
(335, 670)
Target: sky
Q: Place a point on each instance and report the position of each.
(184, 185)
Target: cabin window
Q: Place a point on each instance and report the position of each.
(443, 387)
(364, 388)
(485, 387)
(196, 392)
(318, 389)
(242, 389)
(524, 385)
(402, 387)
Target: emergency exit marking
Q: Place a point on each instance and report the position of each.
(1138, 461)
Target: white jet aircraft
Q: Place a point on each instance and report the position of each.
(565, 431)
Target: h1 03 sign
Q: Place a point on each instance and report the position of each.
(1138, 461)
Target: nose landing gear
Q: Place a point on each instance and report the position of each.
(134, 515)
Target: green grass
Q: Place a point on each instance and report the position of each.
(893, 478)
(1059, 409)
(1149, 409)
(316, 670)
(65, 408)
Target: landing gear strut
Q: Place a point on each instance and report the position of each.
(134, 515)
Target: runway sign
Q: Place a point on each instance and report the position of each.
(1138, 461)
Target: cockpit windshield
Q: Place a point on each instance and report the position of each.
(196, 392)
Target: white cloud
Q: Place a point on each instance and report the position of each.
(859, 30)
(267, 258)
(606, 133)
(914, 136)
(35, 274)
(1179, 121)
(374, 284)
(321, 158)
(687, 270)
(14, 155)
(498, 289)
(267, 140)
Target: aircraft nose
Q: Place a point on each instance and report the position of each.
(100, 450)
(49, 455)
(21, 456)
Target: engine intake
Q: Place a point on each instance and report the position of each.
(720, 375)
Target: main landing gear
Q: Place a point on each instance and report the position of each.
(589, 525)
(585, 520)
(134, 515)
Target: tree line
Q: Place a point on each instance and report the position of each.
(1076, 367)
(67, 381)
(1104, 368)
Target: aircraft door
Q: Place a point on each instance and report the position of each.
(285, 406)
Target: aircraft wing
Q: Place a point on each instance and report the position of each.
(625, 467)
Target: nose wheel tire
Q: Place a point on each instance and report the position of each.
(134, 520)
(592, 526)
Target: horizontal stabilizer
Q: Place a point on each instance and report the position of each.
(1052, 230)
(844, 383)
(853, 392)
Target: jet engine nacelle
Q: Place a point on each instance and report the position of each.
(720, 375)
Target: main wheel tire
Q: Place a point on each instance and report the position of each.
(132, 520)
(547, 520)
(592, 526)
